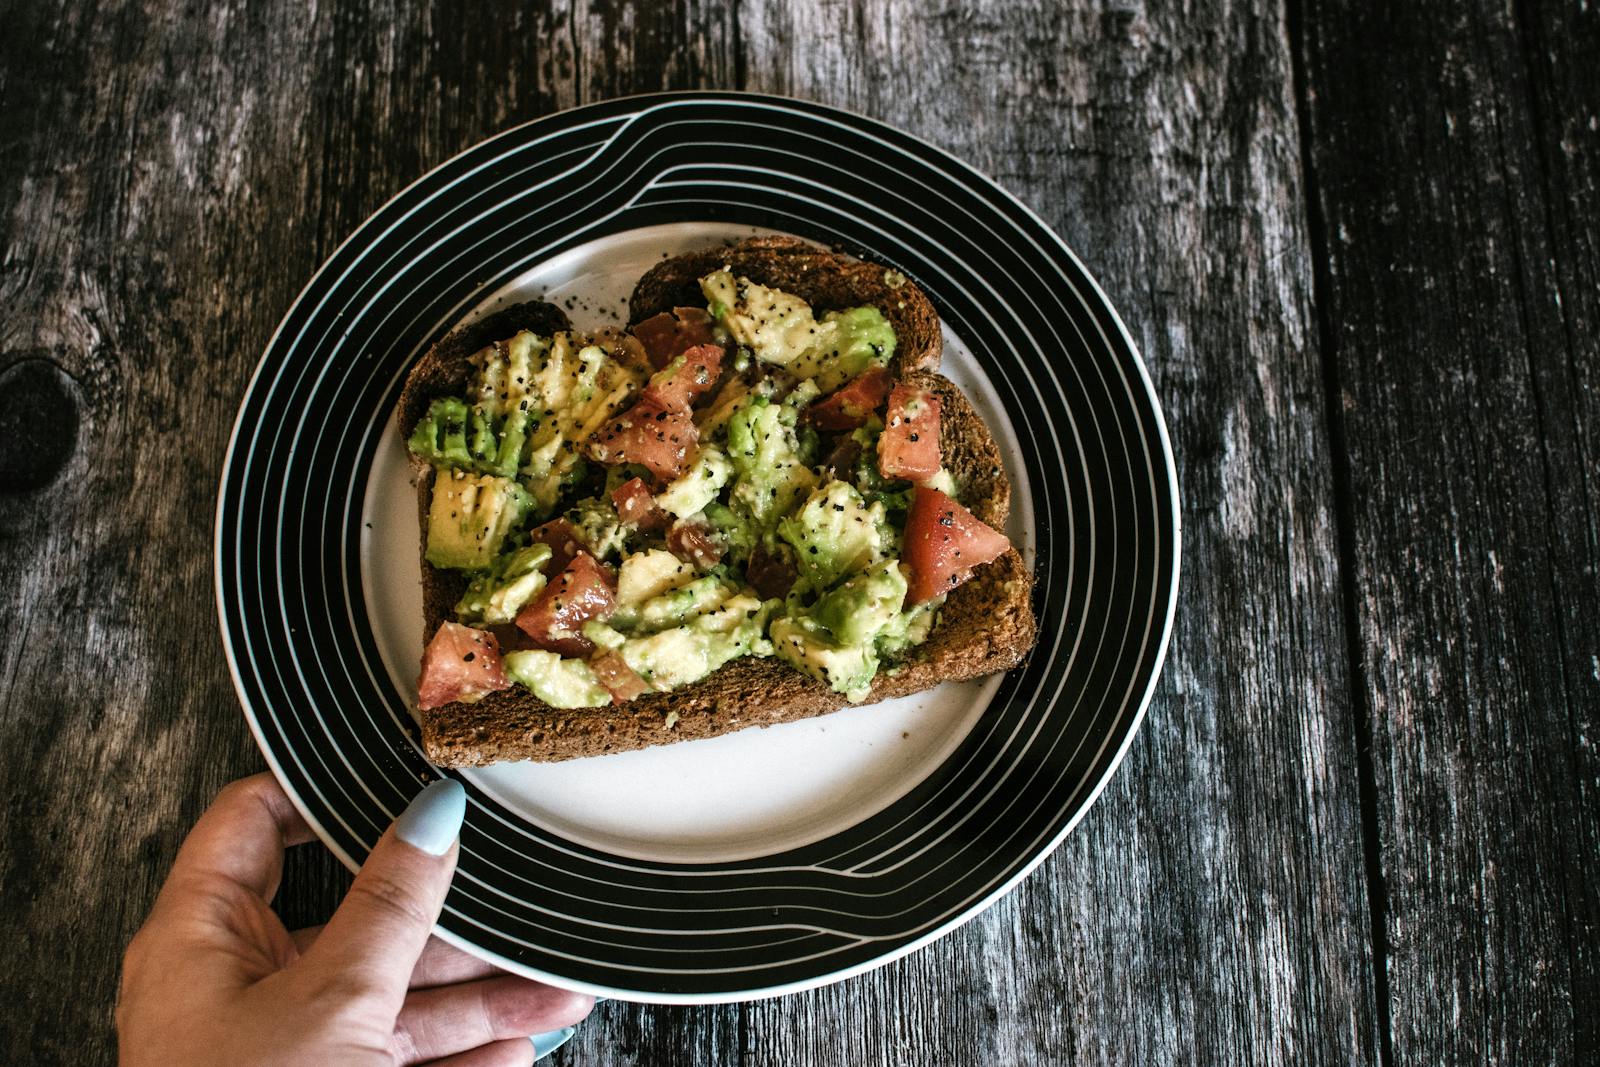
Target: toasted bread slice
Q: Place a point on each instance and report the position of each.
(987, 625)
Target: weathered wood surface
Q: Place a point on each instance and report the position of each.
(1361, 261)
(1456, 160)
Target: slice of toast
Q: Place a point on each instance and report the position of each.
(986, 625)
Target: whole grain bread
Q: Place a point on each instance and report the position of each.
(986, 625)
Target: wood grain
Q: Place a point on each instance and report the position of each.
(1358, 252)
(1455, 157)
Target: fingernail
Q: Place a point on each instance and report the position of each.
(544, 1044)
(432, 821)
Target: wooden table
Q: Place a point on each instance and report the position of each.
(1361, 253)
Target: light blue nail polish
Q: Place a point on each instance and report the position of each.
(432, 821)
(544, 1044)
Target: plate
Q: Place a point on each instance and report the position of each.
(764, 861)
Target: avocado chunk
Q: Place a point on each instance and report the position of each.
(684, 654)
(739, 532)
(805, 645)
(598, 526)
(496, 596)
(765, 452)
(561, 683)
(440, 436)
(470, 517)
(836, 533)
(489, 436)
(781, 328)
(569, 392)
(846, 343)
(908, 629)
(775, 325)
(684, 603)
(648, 574)
(862, 607)
(698, 486)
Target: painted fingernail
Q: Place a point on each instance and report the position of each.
(432, 821)
(544, 1044)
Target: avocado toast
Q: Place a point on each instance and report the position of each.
(730, 515)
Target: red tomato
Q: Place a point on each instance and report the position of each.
(943, 542)
(460, 663)
(692, 542)
(850, 406)
(679, 384)
(636, 504)
(909, 447)
(564, 544)
(618, 678)
(555, 618)
(772, 574)
(652, 433)
(669, 334)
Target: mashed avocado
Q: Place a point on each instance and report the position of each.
(767, 499)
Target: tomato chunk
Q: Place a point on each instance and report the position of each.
(460, 663)
(554, 620)
(850, 406)
(909, 447)
(943, 543)
(636, 504)
(619, 679)
(679, 384)
(653, 433)
(562, 537)
(669, 334)
(693, 543)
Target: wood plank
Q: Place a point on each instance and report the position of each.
(1454, 154)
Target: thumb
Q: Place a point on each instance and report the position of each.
(375, 937)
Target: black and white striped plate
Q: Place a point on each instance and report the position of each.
(769, 860)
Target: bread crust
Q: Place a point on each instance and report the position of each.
(986, 625)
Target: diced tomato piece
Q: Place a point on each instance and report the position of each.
(636, 504)
(619, 679)
(652, 433)
(680, 383)
(555, 618)
(850, 406)
(909, 447)
(460, 663)
(771, 573)
(943, 543)
(693, 543)
(669, 334)
(562, 537)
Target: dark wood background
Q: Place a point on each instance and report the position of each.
(1359, 245)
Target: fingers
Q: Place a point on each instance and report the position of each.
(450, 1019)
(518, 1052)
(439, 964)
(240, 838)
(374, 939)
(442, 964)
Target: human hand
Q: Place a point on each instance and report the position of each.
(214, 977)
